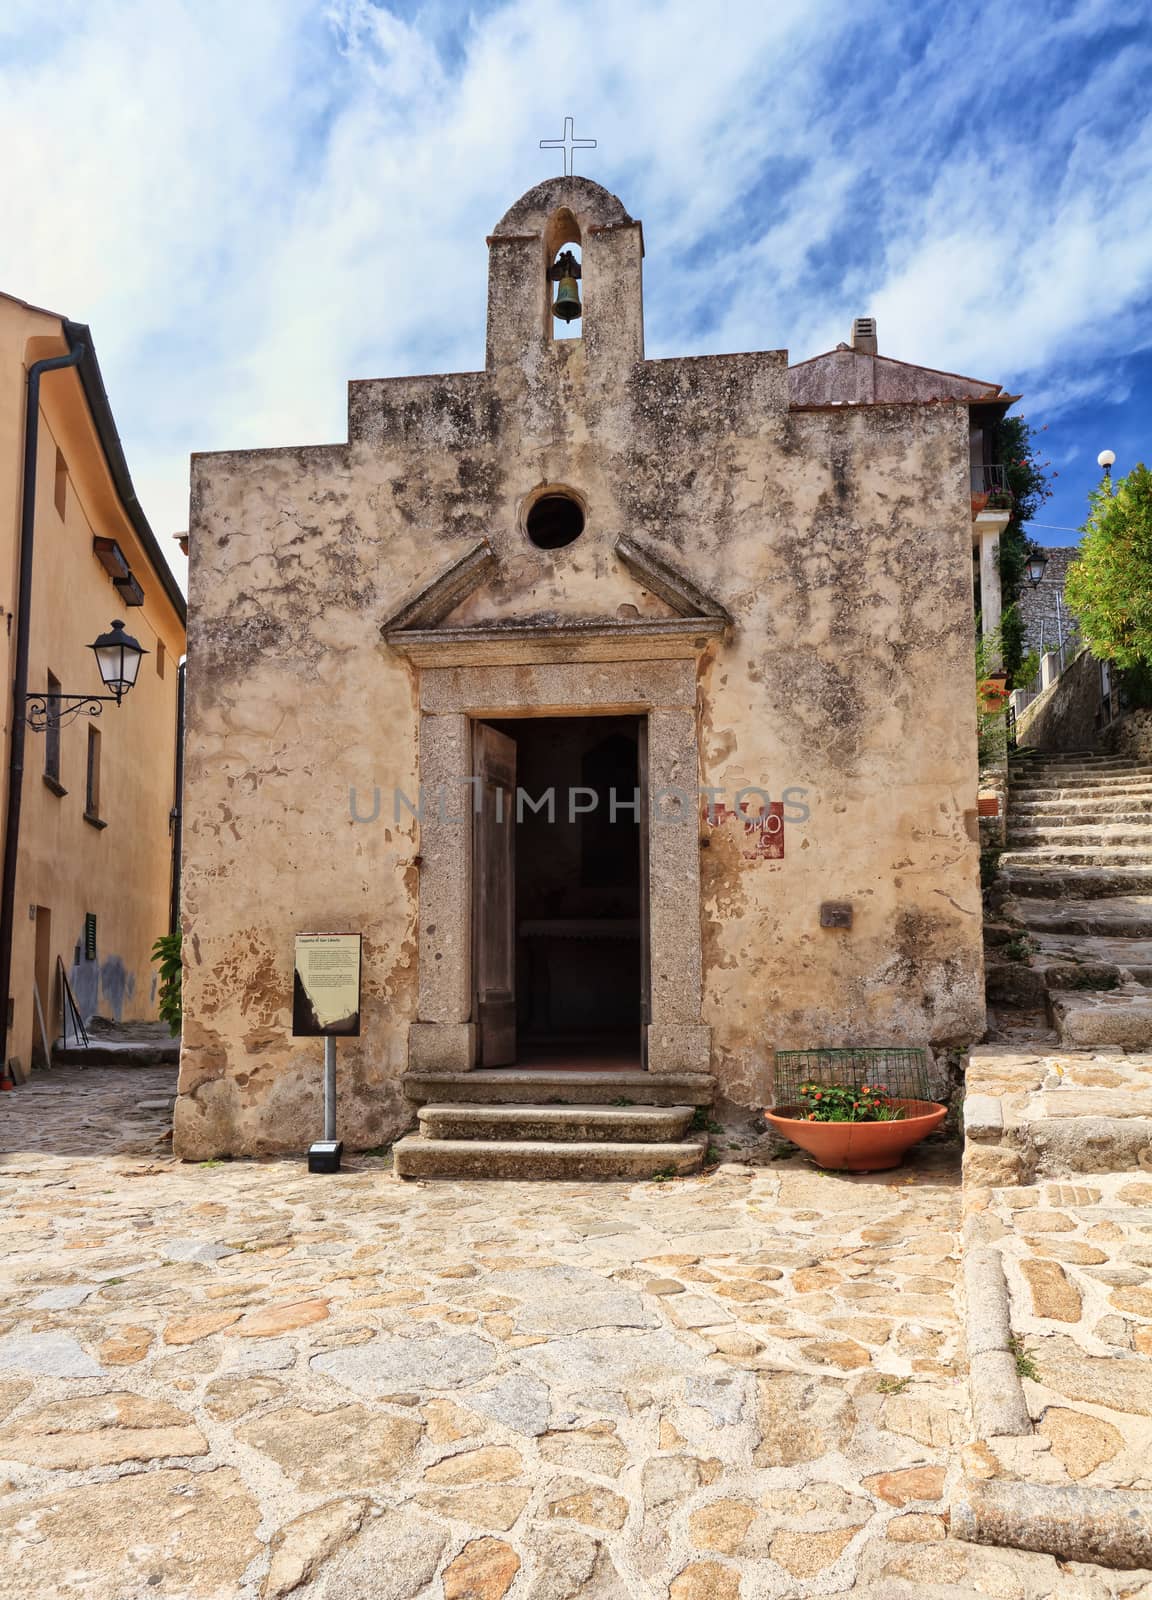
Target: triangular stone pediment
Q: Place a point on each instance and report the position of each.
(420, 631)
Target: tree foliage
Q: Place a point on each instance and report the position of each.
(166, 951)
(1110, 587)
(1016, 444)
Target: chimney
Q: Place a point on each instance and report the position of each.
(864, 335)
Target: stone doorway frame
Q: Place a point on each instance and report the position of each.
(450, 699)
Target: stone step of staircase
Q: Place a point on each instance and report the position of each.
(1119, 1017)
(1029, 834)
(1077, 812)
(588, 1124)
(1062, 948)
(1100, 855)
(1014, 983)
(1069, 758)
(1072, 758)
(545, 1086)
(1035, 774)
(419, 1157)
(1094, 789)
(1078, 772)
(1109, 917)
(1055, 881)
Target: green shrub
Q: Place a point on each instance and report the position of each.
(166, 951)
(990, 865)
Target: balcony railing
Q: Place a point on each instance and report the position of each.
(990, 491)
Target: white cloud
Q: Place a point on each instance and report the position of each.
(252, 203)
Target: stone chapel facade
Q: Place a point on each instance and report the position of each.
(733, 635)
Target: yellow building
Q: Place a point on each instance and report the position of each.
(88, 858)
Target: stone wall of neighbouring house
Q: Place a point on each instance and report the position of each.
(1131, 734)
(115, 867)
(1043, 609)
(839, 540)
(1067, 715)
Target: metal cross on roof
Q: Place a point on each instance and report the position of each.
(568, 144)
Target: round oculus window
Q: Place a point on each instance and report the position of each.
(554, 521)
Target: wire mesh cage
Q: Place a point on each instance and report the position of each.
(900, 1074)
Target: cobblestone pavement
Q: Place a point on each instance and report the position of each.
(236, 1380)
(1058, 1190)
(1077, 1257)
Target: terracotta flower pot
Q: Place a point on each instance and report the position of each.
(860, 1146)
(992, 692)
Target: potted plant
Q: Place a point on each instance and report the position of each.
(855, 1128)
(992, 692)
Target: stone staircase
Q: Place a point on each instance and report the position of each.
(1056, 1263)
(1072, 928)
(517, 1123)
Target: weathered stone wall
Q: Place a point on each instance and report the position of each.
(1131, 734)
(839, 540)
(1067, 715)
(1043, 609)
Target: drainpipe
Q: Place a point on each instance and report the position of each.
(20, 681)
(177, 807)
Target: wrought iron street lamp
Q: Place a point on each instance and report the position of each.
(118, 656)
(1036, 568)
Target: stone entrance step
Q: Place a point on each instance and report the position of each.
(567, 1124)
(1054, 1114)
(102, 1051)
(521, 1086)
(1119, 1017)
(418, 1157)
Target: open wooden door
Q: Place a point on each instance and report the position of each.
(645, 931)
(494, 895)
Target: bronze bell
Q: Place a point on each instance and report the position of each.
(566, 271)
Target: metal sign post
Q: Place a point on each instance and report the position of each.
(326, 1004)
(330, 1087)
(324, 1155)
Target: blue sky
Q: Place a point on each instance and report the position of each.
(252, 203)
